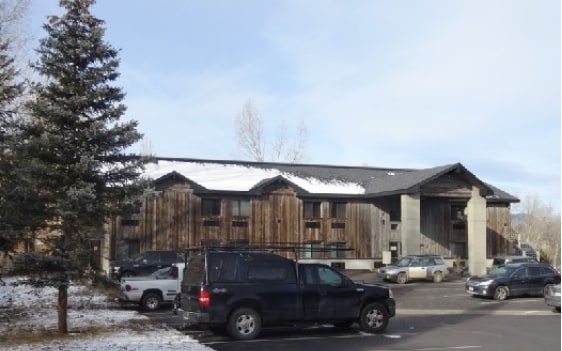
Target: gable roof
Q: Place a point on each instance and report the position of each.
(247, 176)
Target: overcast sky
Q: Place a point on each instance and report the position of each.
(403, 84)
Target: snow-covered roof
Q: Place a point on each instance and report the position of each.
(245, 176)
(239, 177)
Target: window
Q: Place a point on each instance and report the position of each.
(130, 222)
(337, 250)
(150, 257)
(211, 207)
(240, 208)
(415, 262)
(211, 223)
(457, 212)
(459, 226)
(312, 249)
(312, 225)
(337, 210)
(127, 249)
(210, 243)
(223, 268)
(329, 277)
(457, 249)
(239, 243)
(521, 273)
(311, 209)
(267, 271)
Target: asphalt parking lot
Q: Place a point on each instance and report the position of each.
(430, 316)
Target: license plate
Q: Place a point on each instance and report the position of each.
(470, 288)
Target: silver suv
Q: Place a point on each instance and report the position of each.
(415, 267)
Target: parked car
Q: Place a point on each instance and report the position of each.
(145, 264)
(241, 291)
(415, 267)
(513, 279)
(153, 291)
(552, 296)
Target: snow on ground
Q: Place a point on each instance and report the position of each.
(24, 308)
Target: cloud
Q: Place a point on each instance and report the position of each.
(383, 83)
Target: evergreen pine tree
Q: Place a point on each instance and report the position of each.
(10, 90)
(76, 144)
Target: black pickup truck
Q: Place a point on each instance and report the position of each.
(242, 291)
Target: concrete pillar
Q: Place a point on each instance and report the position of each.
(476, 221)
(410, 221)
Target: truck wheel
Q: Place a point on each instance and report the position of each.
(437, 277)
(151, 301)
(402, 278)
(501, 293)
(244, 324)
(374, 318)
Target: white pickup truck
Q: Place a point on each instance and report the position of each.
(150, 292)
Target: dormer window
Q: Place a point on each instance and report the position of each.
(211, 207)
(240, 208)
(311, 209)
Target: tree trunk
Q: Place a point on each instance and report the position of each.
(63, 309)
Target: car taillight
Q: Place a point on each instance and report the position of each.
(204, 298)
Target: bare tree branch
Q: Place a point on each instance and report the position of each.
(249, 132)
(297, 151)
(250, 138)
(539, 225)
(280, 141)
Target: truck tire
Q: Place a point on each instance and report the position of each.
(437, 277)
(244, 324)
(151, 302)
(374, 318)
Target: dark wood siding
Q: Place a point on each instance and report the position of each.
(498, 240)
(173, 219)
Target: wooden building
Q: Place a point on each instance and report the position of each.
(376, 212)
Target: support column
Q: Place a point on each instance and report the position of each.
(476, 220)
(410, 221)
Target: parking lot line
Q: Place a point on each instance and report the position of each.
(422, 311)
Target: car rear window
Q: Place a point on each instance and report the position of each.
(194, 272)
(267, 269)
(547, 270)
(223, 267)
(498, 261)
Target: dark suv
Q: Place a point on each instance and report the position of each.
(145, 264)
(513, 279)
(242, 291)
